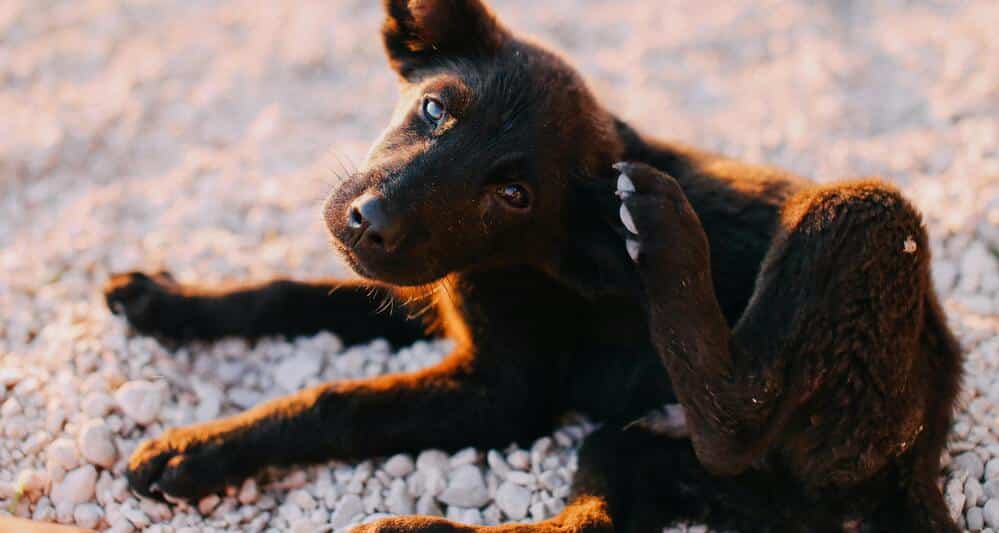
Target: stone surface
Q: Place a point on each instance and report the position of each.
(96, 443)
(140, 401)
(76, 487)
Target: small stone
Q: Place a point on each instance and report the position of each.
(97, 404)
(77, 487)
(974, 519)
(244, 398)
(491, 515)
(497, 463)
(302, 499)
(551, 480)
(466, 456)
(974, 493)
(466, 488)
(521, 478)
(209, 401)
(400, 465)
(119, 489)
(519, 459)
(292, 372)
(427, 506)
(248, 492)
(136, 517)
(10, 408)
(991, 488)
(140, 401)
(992, 468)
(538, 512)
(96, 444)
(513, 500)
(15, 428)
(971, 463)
(398, 500)
(87, 515)
(991, 513)
(31, 482)
(432, 459)
(955, 503)
(463, 515)
(208, 504)
(347, 508)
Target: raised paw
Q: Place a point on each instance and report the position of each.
(181, 463)
(414, 524)
(656, 214)
(147, 301)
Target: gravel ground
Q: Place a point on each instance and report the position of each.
(196, 136)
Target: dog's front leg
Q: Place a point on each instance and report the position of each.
(451, 405)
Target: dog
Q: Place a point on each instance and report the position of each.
(592, 268)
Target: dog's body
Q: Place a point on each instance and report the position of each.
(795, 323)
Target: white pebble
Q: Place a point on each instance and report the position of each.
(97, 404)
(427, 506)
(347, 508)
(248, 492)
(991, 512)
(208, 504)
(466, 488)
(292, 372)
(32, 482)
(76, 487)
(974, 519)
(400, 465)
(398, 500)
(519, 459)
(513, 500)
(87, 515)
(432, 459)
(971, 463)
(96, 444)
(302, 499)
(140, 401)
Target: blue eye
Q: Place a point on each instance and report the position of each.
(515, 195)
(433, 109)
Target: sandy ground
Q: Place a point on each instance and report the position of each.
(200, 137)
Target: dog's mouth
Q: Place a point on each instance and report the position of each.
(400, 267)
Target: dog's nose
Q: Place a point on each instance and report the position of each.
(368, 217)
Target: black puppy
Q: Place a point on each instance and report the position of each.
(795, 323)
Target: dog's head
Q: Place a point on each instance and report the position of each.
(474, 169)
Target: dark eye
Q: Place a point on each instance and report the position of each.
(433, 109)
(514, 195)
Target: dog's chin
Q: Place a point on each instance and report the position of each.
(398, 272)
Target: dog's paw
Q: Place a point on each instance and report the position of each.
(655, 213)
(414, 524)
(144, 300)
(181, 463)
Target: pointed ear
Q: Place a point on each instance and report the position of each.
(417, 33)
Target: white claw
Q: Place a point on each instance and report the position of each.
(627, 220)
(624, 186)
(633, 248)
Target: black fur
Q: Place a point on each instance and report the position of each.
(792, 321)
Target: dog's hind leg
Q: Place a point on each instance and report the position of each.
(157, 305)
(825, 377)
(635, 481)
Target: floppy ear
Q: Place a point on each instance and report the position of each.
(419, 32)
